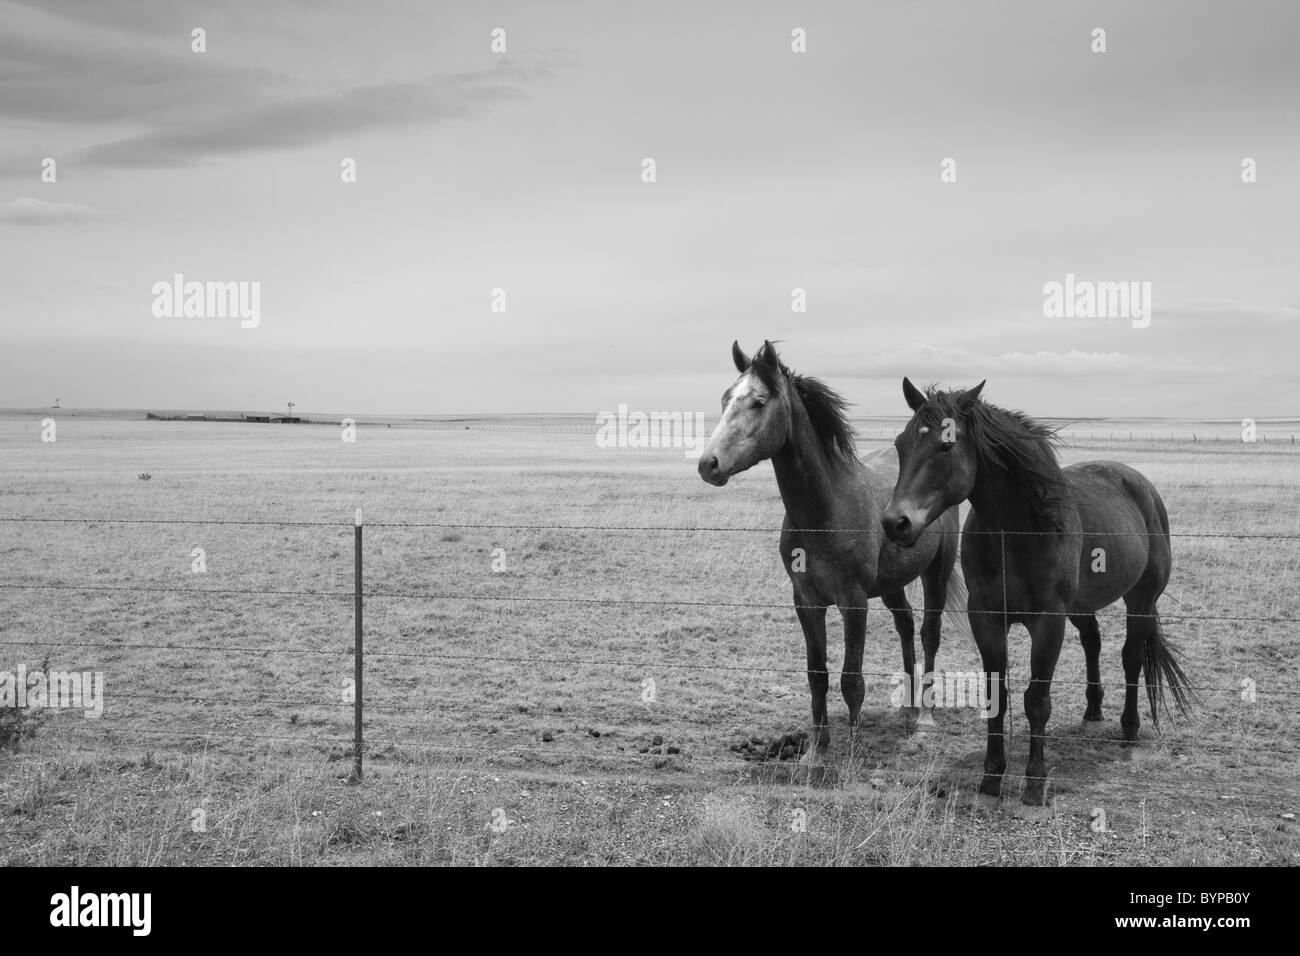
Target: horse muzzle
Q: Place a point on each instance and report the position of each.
(902, 526)
(712, 471)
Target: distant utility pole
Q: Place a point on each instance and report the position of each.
(56, 402)
(291, 409)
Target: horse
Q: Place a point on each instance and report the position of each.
(831, 543)
(1041, 544)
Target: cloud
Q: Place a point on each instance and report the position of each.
(71, 79)
(35, 212)
(309, 121)
(126, 15)
(149, 18)
(166, 108)
(932, 363)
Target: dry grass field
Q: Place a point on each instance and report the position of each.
(506, 711)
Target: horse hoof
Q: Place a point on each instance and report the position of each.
(987, 800)
(991, 786)
(925, 722)
(1035, 813)
(1035, 794)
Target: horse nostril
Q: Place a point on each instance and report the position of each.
(709, 467)
(902, 526)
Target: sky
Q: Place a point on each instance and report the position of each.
(523, 170)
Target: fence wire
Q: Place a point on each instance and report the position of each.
(643, 665)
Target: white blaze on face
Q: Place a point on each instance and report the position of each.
(745, 387)
(740, 394)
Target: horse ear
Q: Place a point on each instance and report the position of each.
(972, 395)
(739, 357)
(767, 354)
(913, 394)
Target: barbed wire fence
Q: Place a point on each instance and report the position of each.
(360, 704)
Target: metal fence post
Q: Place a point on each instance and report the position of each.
(357, 654)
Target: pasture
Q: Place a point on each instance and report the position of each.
(557, 694)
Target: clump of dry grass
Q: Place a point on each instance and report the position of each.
(729, 832)
(18, 724)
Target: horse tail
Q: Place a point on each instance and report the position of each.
(1162, 667)
(955, 598)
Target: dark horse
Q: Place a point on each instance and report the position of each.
(1041, 544)
(831, 542)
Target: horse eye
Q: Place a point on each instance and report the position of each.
(760, 402)
(946, 446)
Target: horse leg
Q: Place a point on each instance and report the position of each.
(934, 586)
(813, 621)
(1141, 623)
(990, 633)
(1047, 633)
(852, 684)
(905, 624)
(1090, 638)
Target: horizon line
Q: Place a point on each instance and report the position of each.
(42, 409)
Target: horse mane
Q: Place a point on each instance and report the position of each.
(826, 407)
(1010, 440)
